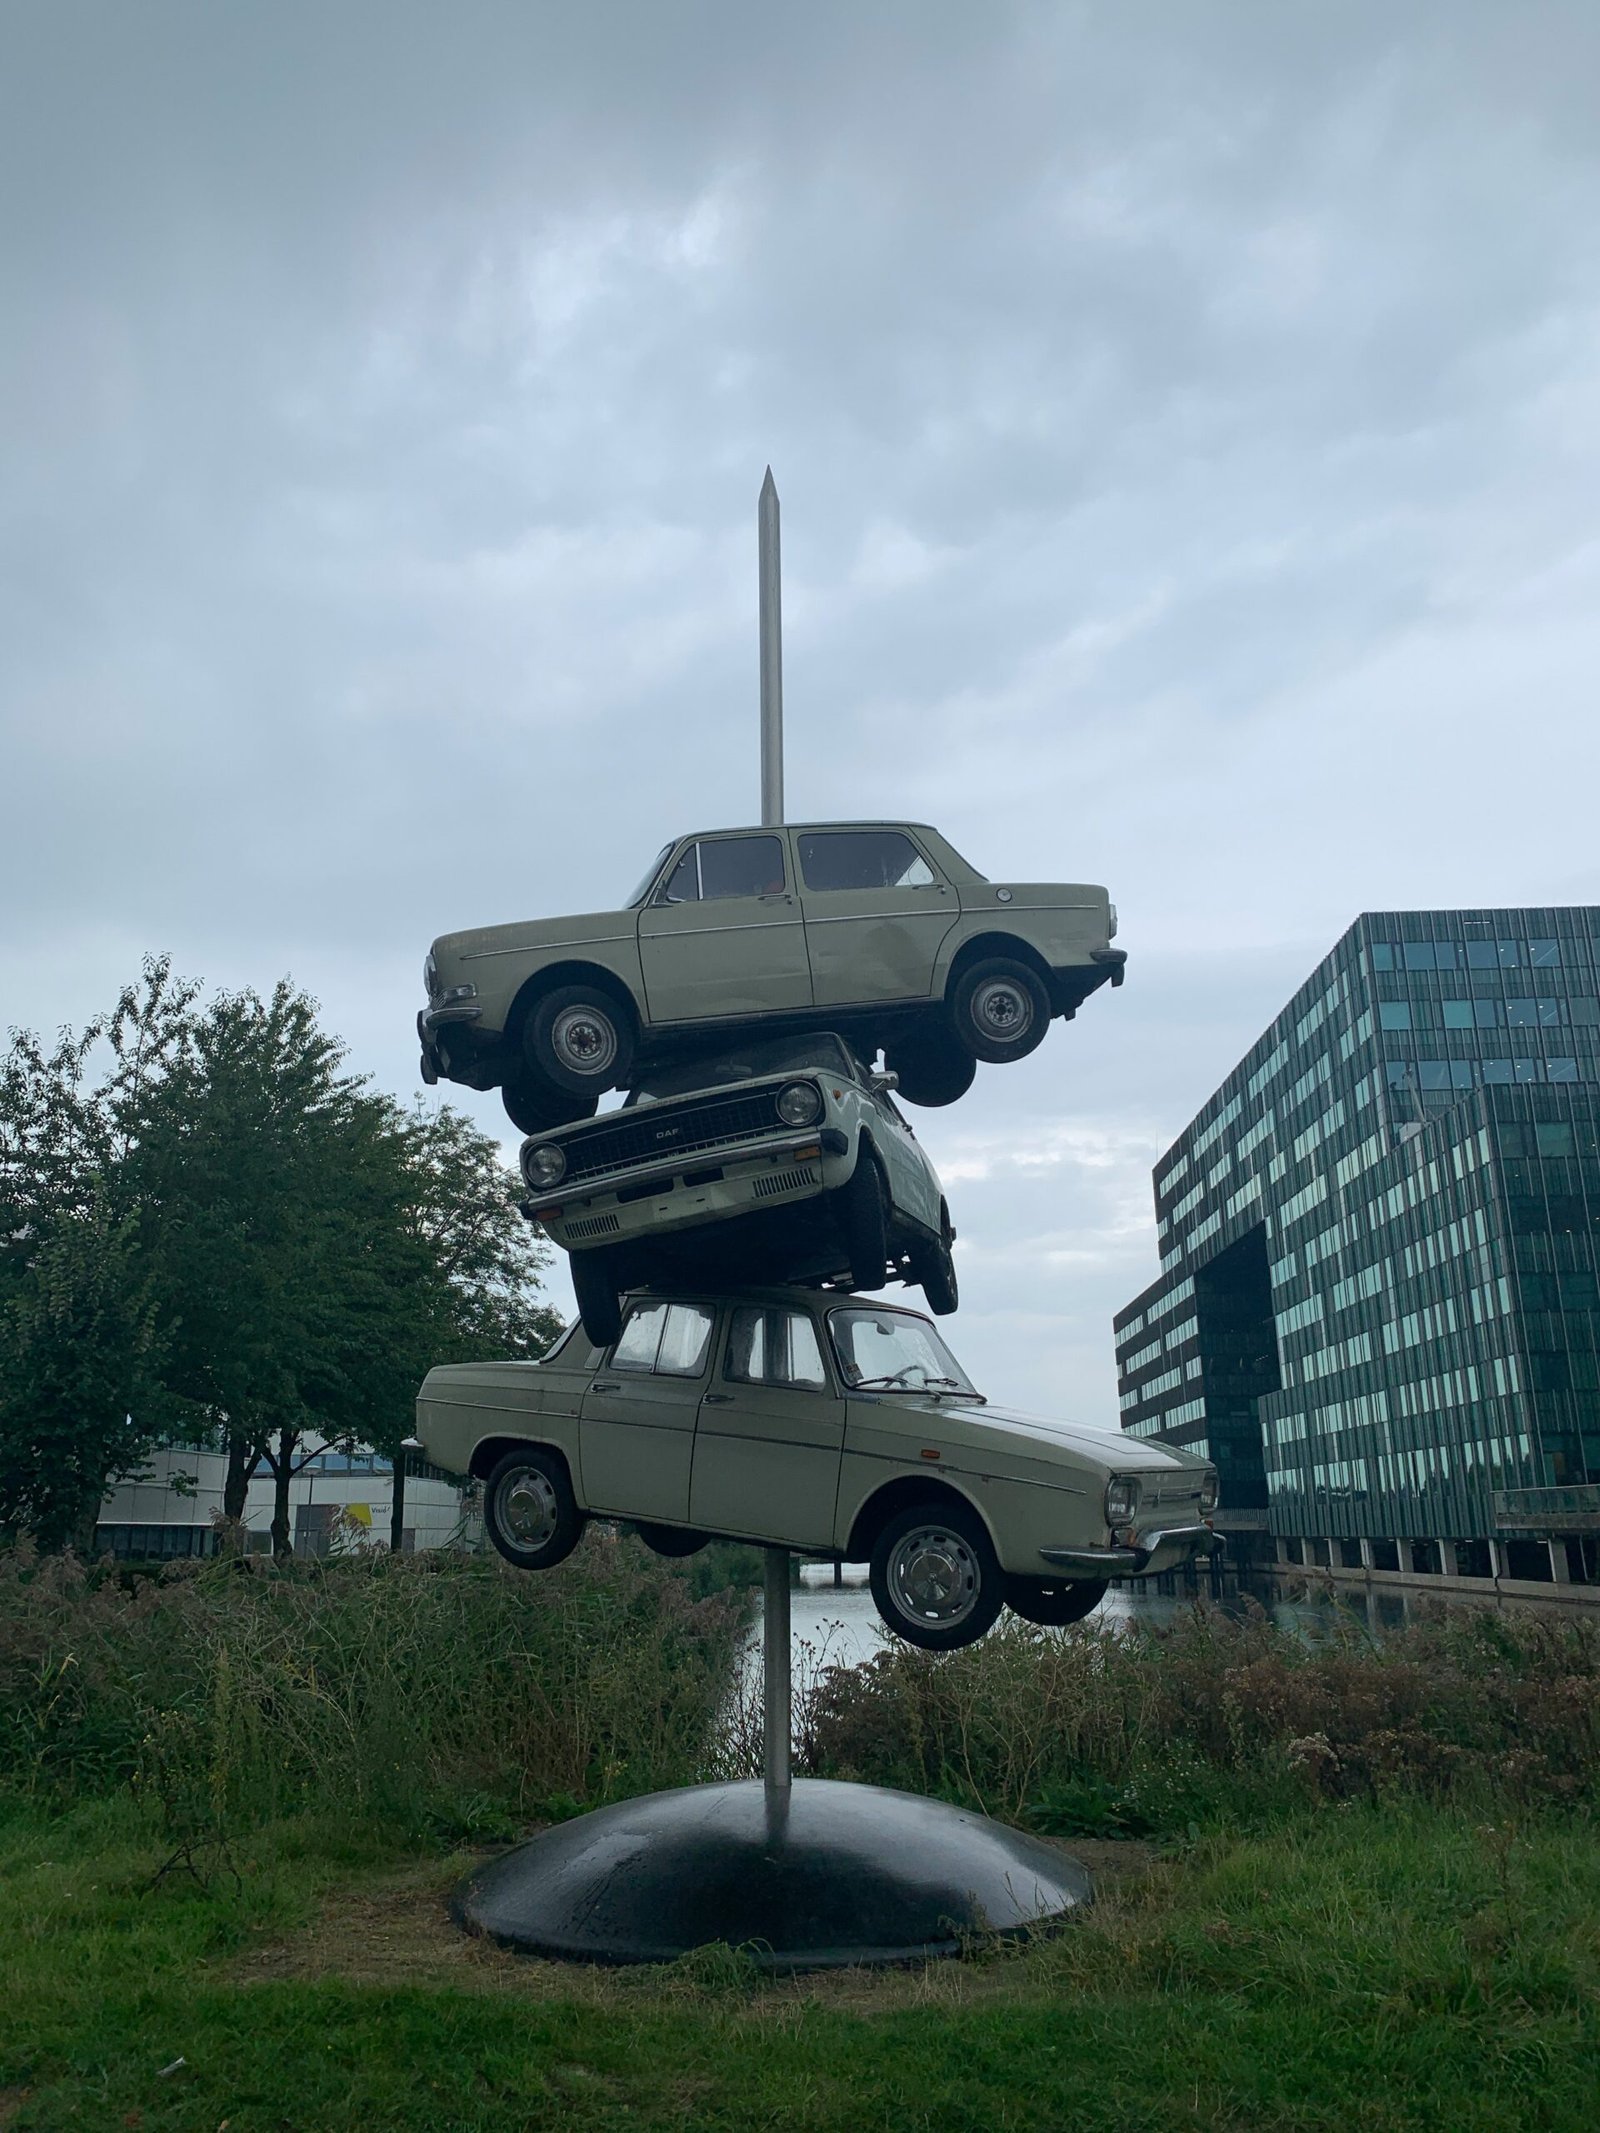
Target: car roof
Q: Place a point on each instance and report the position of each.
(767, 829)
(773, 1296)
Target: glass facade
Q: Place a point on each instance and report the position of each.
(1378, 1309)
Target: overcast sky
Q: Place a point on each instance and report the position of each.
(1187, 419)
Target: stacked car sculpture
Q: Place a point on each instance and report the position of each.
(726, 1377)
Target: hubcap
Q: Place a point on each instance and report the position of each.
(528, 1509)
(584, 1040)
(1002, 1010)
(934, 1578)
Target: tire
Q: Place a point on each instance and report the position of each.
(933, 1069)
(599, 1305)
(1000, 1009)
(529, 1510)
(1053, 1604)
(533, 1106)
(580, 1038)
(935, 1272)
(673, 1542)
(864, 1224)
(935, 1576)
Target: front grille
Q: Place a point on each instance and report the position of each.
(593, 1226)
(663, 1132)
(780, 1181)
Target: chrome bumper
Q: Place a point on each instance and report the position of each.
(1148, 1556)
(428, 1022)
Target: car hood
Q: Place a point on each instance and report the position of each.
(1112, 1448)
(536, 933)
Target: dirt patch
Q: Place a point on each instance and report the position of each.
(11, 2102)
(398, 1931)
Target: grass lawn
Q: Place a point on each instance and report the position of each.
(1351, 1968)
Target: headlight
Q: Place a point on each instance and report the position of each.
(1208, 1495)
(459, 992)
(543, 1165)
(1122, 1499)
(799, 1103)
(1111, 924)
(430, 976)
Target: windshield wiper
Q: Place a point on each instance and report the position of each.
(893, 1384)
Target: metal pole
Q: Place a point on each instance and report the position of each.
(775, 1690)
(775, 1626)
(771, 653)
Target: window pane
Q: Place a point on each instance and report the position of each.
(862, 859)
(1458, 1014)
(1382, 956)
(1562, 1069)
(1549, 1014)
(803, 1364)
(641, 1337)
(1445, 955)
(1554, 1137)
(1497, 1070)
(1526, 1069)
(1543, 954)
(1521, 1014)
(1482, 955)
(747, 1345)
(1506, 952)
(1394, 1014)
(742, 866)
(1434, 1073)
(1419, 955)
(1461, 1073)
(1580, 1008)
(1486, 1013)
(683, 1344)
(683, 886)
(1399, 1073)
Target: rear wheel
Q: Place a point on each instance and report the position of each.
(864, 1224)
(936, 1578)
(1053, 1604)
(529, 1510)
(594, 1284)
(1000, 1009)
(672, 1542)
(932, 1068)
(580, 1038)
(934, 1270)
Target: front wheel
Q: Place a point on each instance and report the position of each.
(865, 1224)
(599, 1305)
(935, 1576)
(931, 1067)
(529, 1509)
(580, 1038)
(1054, 1603)
(1000, 1009)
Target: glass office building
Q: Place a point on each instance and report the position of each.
(1378, 1310)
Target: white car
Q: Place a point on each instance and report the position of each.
(772, 1159)
(831, 1425)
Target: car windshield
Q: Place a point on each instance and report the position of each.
(648, 883)
(745, 1062)
(890, 1351)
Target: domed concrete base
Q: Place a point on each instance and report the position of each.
(828, 1875)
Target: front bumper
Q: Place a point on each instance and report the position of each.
(429, 1022)
(1168, 1548)
(712, 1186)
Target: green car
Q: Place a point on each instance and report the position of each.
(878, 929)
(778, 1158)
(835, 1426)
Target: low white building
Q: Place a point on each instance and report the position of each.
(338, 1499)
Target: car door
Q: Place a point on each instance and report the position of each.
(913, 1188)
(875, 912)
(636, 1425)
(724, 934)
(771, 1434)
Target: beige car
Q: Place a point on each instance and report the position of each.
(877, 929)
(837, 1426)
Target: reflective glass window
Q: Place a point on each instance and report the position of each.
(1382, 956)
(1554, 1136)
(1434, 1073)
(1458, 1014)
(1582, 1008)
(862, 859)
(1550, 1015)
(1496, 1071)
(768, 1347)
(1562, 1069)
(684, 1340)
(1461, 1073)
(1522, 1014)
(1419, 955)
(1526, 1069)
(1544, 954)
(641, 1337)
(1486, 1013)
(1394, 1014)
(1446, 955)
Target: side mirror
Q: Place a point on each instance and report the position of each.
(880, 1084)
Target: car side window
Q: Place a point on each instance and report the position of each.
(682, 885)
(862, 859)
(742, 866)
(768, 1347)
(684, 1340)
(641, 1337)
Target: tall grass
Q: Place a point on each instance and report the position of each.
(1147, 1730)
(433, 1688)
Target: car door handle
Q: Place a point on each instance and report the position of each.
(607, 1385)
(717, 1399)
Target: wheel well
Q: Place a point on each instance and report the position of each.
(1002, 944)
(489, 1451)
(889, 1501)
(543, 981)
